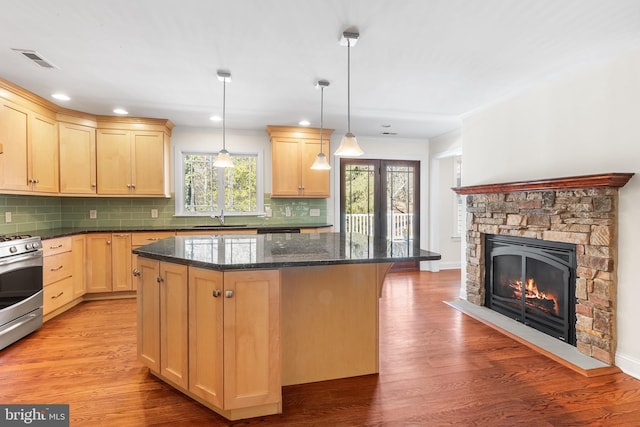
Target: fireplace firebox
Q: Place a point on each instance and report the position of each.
(533, 282)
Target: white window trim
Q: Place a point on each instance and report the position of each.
(458, 201)
(178, 182)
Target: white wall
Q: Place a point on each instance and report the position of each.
(584, 123)
(443, 152)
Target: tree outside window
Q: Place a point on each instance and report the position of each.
(207, 189)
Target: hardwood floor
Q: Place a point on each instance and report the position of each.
(438, 367)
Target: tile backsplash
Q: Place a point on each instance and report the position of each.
(32, 213)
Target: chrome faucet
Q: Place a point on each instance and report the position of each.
(219, 217)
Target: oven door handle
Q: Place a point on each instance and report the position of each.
(29, 317)
(35, 256)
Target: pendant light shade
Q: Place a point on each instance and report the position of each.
(223, 159)
(321, 162)
(349, 145)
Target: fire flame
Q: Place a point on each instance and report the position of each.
(533, 296)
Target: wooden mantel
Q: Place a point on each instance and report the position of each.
(573, 182)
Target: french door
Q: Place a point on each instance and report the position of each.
(381, 198)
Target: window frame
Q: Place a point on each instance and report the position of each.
(459, 219)
(179, 182)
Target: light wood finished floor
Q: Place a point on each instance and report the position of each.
(439, 367)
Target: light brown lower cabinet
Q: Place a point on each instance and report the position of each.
(162, 319)
(215, 336)
(108, 262)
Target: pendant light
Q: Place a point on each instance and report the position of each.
(349, 145)
(321, 162)
(223, 160)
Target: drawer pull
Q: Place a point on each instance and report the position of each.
(56, 247)
(57, 296)
(56, 269)
(120, 235)
(217, 293)
(153, 238)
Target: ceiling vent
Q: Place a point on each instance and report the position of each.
(35, 57)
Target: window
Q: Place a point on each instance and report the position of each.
(202, 189)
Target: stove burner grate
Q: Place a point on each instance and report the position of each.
(5, 238)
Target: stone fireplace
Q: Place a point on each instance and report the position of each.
(579, 210)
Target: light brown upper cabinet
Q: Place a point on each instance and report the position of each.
(77, 158)
(133, 158)
(29, 162)
(293, 151)
(49, 150)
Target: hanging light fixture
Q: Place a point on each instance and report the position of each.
(223, 160)
(321, 162)
(349, 145)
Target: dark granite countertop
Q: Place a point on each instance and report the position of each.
(209, 229)
(241, 252)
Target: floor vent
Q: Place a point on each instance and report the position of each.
(35, 57)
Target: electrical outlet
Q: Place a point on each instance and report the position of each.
(287, 211)
(314, 212)
(267, 211)
(7, 217)
(154, 213)
(93, 214)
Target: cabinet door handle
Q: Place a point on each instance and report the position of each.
(55, 269)
(216, 293)
(133, 186)
(108, 242)
(228, 293)
(128, 185)
(94, 185)
(136, 272)
(57, 296)
(160, 279)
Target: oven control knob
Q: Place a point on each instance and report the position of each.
(13, 249)
(28, 246)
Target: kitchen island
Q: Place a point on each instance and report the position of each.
(230, 319)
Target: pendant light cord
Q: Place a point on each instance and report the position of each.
(224, 104)
(349, 85)
(321, 114)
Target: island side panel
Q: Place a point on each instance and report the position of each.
(329, 322)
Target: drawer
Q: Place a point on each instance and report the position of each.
(56, 267)
(141, 239)
(56, 246)
(58, 294)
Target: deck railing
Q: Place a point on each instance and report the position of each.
(399, 225)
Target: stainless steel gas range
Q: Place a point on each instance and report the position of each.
(21, 294)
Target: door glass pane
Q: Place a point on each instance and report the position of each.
(400, 202)
(359, 198)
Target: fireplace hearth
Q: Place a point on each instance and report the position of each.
(533, 282)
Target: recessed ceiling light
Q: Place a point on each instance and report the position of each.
(215, 118)
(61, 96)
(304, 122)
(120, 111)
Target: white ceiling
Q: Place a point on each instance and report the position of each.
(419, 64)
